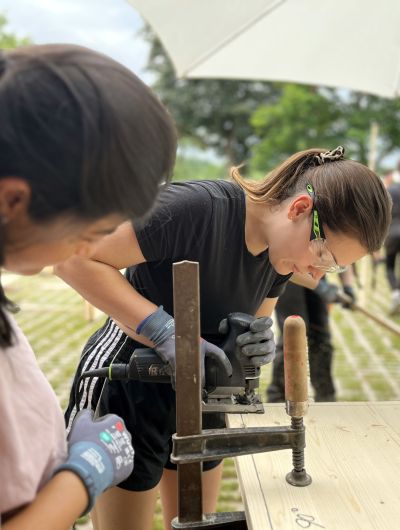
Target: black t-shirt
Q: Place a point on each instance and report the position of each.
(204, 221)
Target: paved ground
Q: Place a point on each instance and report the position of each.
(366, 367)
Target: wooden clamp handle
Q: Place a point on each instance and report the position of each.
(296, 364)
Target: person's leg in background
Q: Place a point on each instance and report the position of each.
(291, 302)
(297, 300)
(392, 247)
(320, 348)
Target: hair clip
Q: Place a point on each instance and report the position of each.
(330, 156)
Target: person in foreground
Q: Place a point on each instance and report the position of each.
(84, 145)
(315, 213)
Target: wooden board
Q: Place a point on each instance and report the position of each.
(353, 457)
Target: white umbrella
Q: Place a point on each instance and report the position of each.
(337, 43)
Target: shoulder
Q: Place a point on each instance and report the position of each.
(194, 196)
(197, 189)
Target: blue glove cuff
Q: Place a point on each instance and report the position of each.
(158, 327)
(92, 464)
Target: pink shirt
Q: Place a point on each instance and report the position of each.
(32, 432)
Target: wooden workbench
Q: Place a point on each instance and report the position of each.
(353, 457)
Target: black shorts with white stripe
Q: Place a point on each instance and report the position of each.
(148, 409)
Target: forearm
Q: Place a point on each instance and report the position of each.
(56, 506)
(266, 308)
(347, 277)
(107, 289)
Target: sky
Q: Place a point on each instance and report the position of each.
(109, 26)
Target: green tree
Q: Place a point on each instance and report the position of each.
(313, 117)
(302, 118)
(359, 111)
(187, 168)
(212, 113)
(9, 40)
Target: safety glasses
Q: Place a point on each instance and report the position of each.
(325, 260)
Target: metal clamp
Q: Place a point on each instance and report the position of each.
(216, 444)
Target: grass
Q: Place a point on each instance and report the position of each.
(366, 362)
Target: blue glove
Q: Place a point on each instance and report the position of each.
(100, 452)
(159, 327)
(258, 343)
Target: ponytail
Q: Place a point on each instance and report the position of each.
(284, 180)
(349, 197)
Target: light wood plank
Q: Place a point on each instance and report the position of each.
(353, 456)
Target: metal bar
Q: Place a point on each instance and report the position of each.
(222, 443)
(233, 408)
(215, 521)
(188, 383)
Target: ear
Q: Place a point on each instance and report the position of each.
(300, 205)
(15, 196)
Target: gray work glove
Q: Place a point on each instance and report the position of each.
(159, 327)
(330, 293)
(166, 351)
(100, 452)
(258, 343)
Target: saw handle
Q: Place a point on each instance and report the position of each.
(242, 370)
(295, 365)
(146, 366)
(239, 323)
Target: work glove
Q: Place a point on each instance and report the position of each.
(330, 293)
(100, 452)
(159, 327)
(257, 343)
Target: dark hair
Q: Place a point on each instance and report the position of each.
(89, 136)
(349, 197)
